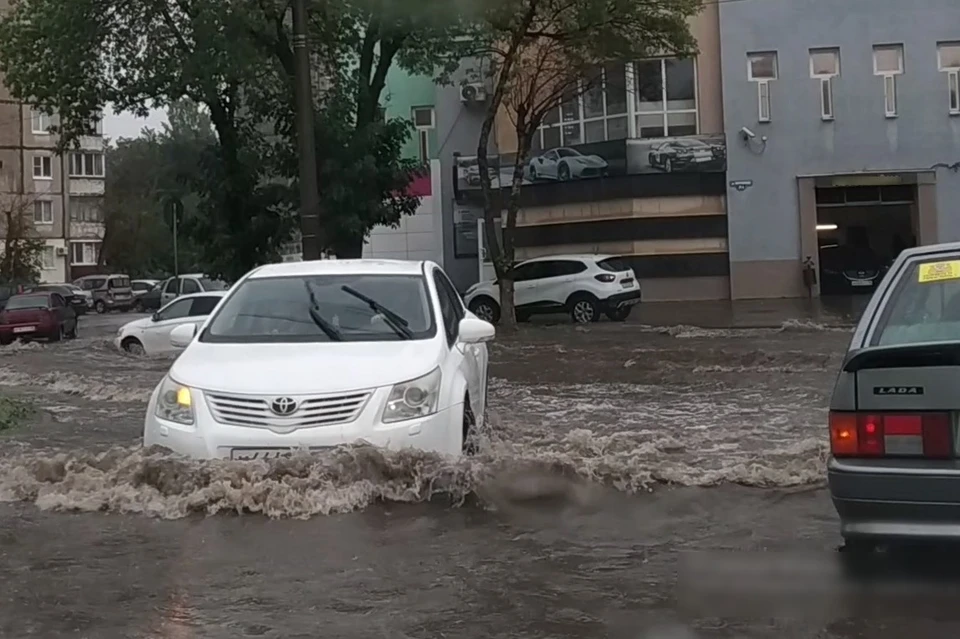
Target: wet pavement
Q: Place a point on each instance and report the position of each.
(624, 466)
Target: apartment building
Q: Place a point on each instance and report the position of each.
(59, 196)
(843, 122)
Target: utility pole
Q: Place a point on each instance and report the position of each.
(309, 189)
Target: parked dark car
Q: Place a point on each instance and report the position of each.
(848, 269)
(149, 301)
(44, 315)
(74, 297)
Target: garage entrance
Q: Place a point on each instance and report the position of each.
(860, 232)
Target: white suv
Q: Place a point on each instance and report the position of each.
(586, 286)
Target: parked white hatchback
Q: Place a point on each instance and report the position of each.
(151, 335)
(310, 355)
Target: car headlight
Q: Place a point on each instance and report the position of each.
(175, 402)
(416, 398)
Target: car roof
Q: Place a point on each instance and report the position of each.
(33, 294)
(202, 294)
(930, 249)
(589, 257)
(101, 275)
(341, 267)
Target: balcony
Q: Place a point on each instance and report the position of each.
(86, 218)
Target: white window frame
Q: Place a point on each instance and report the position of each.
(953, 78)
(763, 84)
(889, 78)
(48, 251)
(667, 111)
(581, 121)
(40, 122)
(45, 165)
(83, 157)
(44, 208)
(825, 81)
(83, 261)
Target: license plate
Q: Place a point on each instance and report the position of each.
(861, 282)
(250, 454)
(626, 284)
(25, 329)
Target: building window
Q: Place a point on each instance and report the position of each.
(666, 98)
(86, 165)
(424, 121)
(948, 58)
(42, 212)
(42, 167)
(84, 253)
(762, 69)
(593, 112)
(86, 209)
(824, 67)
(48, 258)
(888, 63)
(39, 122)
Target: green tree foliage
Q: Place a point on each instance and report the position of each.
(539, 53)
(143, 173)
(236, 59)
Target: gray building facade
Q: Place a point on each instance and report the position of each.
(859, 96)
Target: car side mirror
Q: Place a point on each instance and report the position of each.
(181, 336)
(155, 317)
(474, 330)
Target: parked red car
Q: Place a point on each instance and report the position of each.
(37, 315)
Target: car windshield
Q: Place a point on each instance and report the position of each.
(924, 306)
(213, 285)
(278, 309)
(23, 302)
(567, 153)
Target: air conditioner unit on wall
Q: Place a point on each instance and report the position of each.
(473, 92)
(61, 251)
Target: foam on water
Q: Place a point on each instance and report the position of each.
(541, 441)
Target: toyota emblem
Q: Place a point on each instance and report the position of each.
(284, 406)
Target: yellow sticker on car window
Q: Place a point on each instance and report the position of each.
(939, 271)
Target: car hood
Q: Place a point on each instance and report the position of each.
(300, 369)
(590, 160)
(138, 325)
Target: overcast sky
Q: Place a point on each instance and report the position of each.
(126, 125)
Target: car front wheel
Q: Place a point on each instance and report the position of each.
(100, 307)
(470, 446)
(132, 345)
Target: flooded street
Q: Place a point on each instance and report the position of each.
(614, 454)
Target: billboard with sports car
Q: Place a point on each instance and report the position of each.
(599, 160)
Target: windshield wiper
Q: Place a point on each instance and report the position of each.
(399, 325)
(331, 331)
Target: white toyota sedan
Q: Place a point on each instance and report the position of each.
(310, 355)
(151, 335)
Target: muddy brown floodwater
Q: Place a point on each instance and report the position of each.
(635, 482)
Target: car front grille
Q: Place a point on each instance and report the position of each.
(312, 411)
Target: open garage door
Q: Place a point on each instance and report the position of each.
(860, 232)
